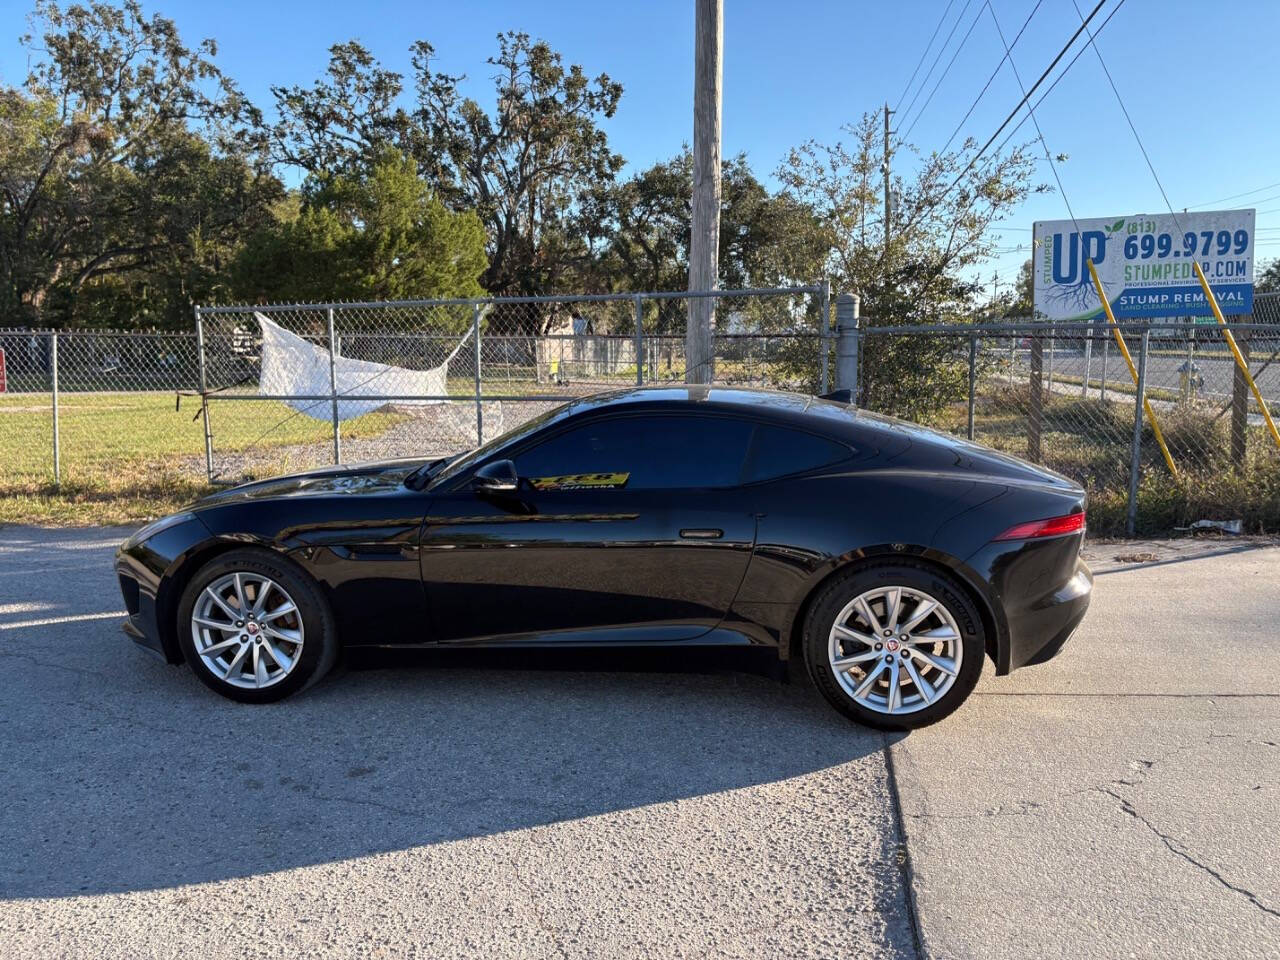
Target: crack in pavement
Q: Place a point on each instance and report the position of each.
(1127, 807)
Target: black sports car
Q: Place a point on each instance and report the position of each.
(891, 557)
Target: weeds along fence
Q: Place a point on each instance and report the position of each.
(148, 420)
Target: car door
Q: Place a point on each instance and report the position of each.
(624, 528)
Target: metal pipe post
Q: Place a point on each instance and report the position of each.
(57, 451)
(847, 305)
(475, 335)
(1088, 362)
(973, 380)
(333, 387)
(1035, 420)
(824, 328)
(204, 396)
(1106, 345)
(1135, 456)
(639, 342)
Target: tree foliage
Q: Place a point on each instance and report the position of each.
(123, 149)
(379, 235)
(526, 167)
(136, 180)
(921, 269)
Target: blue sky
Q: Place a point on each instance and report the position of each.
(1200, 80)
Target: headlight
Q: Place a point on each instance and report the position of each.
(157, 526)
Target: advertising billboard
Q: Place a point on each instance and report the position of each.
(1145, 264)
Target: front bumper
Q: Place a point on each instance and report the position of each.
(145, 570)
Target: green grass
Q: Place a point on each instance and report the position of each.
(128, 457)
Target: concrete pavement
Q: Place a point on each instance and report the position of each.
(1118, 801)
(1121, 800)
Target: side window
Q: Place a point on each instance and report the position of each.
(778, 452)
(641, 453)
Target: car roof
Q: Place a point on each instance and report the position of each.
(796, 409)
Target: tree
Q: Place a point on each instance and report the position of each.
(342, 125)
(939, 234)
(381, 236)
(1269, 279)
(102, 160)
(766, 240)
(525, 169)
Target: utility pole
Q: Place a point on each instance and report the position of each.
(888, 200)
(704, 240)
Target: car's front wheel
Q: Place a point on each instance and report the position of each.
(255, 628)
(894, 645)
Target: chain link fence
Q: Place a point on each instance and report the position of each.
(155, 417)
(152, 418)
(1064, 395)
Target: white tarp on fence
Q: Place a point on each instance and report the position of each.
(295, 367)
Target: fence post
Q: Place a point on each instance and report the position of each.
(1106, 345)
(824, 331)
(1088, 361)
(204, 395)
(973, 372)
(1052, 344)
(847, 343)
(1036, 421)
(639, 341)
(57, 451)
(475, 335)
(1135, 455)
(333, 387)
(1240, 406)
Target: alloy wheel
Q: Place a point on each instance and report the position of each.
(895, 650)
(247, 630)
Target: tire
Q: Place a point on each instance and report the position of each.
(280, 583)
(840, 663)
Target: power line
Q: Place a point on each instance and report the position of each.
(1032, 110)
(1056, 80)
(1084, 25)
(985, 86)
(903, 95)
(1237, 195)
(1013, 113)
(938, 56)
(986, 5)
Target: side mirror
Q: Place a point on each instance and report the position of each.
(497, 476)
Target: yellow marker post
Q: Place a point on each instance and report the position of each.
(1231, 342)
(1133, 371)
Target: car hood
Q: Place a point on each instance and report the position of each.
(351, 480)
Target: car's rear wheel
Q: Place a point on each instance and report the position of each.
(894, 645)
(255, 628)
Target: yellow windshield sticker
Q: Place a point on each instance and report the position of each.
(581, 481)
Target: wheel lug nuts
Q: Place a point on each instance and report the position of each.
(888, 633)
(244, 638)
(239, 623)
(879, 646)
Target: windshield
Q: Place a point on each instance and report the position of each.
(464, 462)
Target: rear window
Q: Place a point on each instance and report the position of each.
(779, 452)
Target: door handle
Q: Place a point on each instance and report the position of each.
(701, 533)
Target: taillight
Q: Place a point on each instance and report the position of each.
(1037, 529)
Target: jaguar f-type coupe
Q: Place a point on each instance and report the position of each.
(891, 558)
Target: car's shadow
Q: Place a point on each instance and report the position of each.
(122, 773)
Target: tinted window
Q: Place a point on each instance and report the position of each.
(653, 452)
(778, 452)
